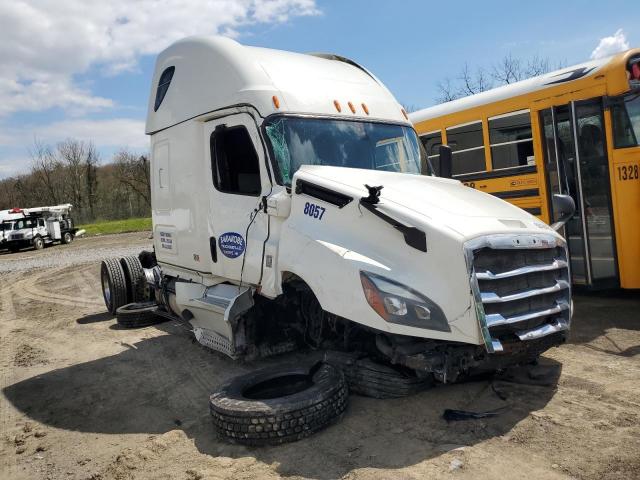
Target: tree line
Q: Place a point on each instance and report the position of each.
(509, 69)
(71, 172)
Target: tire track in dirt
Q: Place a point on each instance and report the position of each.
(92, 282)
(7, 353)
(29, 289)
(83, 286)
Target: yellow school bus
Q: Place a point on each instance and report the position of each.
(574, 132)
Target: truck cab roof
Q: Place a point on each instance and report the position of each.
(199, 75)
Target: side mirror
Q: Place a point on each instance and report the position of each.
(564, 207)
(445, 161)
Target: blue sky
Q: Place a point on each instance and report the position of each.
(79, 68)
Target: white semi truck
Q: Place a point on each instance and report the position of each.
(38, 226)
(292, 205)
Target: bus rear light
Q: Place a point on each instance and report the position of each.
(336, 104)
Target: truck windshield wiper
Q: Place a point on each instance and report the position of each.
(414, 237)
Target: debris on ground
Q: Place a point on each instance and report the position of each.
(455, 415)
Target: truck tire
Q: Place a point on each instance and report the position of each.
(38, 243)
(138, 315)
(67, 238)
(279, 404)
(114, 286)
(134, 278)
(371, 378)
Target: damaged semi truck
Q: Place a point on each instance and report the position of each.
(293, 205)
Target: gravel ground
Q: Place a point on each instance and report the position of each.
(83, 399)
(80, 252)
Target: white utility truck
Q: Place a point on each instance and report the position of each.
(290, 207)
(39, 226)
(7, 218)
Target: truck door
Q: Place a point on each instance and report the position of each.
(237, 224)
(576, 164)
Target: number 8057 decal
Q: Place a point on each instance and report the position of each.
(313, 210)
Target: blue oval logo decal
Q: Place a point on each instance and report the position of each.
(231, 244)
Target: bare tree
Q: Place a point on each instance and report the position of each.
(71, 172)
(78, 158)
(133, 171)
(508, 70)
(45, 169)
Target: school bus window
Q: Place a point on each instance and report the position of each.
(467, 145)
(625, 112)
(511, 140)
(432, 142)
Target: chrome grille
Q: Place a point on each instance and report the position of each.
(522, 287)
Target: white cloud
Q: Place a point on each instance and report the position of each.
(45, 43)
(106, 135)
(13, 165)
(609, 45)
(116, 132)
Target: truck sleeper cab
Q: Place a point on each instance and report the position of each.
(289, 209)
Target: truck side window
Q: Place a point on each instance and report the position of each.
(234, 162)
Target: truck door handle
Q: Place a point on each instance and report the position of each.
(214, 251)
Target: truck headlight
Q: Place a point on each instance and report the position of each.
(397, 303)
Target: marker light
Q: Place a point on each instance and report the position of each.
(351, 107)
(276, 102)
(372, 294)
(366, 110)
(337, 105)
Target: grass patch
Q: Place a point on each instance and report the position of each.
(118, 226)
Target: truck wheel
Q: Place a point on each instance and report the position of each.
(38, 243)
(114, 287)
(134, 277)
(279, 404)
(137, 315)
(370, 378)
(67, 238)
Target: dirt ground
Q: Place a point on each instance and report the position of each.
(82, 399)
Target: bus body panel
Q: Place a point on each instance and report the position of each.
(529, 189)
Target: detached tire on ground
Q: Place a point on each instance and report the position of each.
(135, 279)
(138, 315)
(279, 404)
(114, 285)
(371, 378)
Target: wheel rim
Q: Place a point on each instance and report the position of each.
(106, 290)
(38, 243)
(278, 387)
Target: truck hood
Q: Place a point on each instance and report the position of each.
(446, 202)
